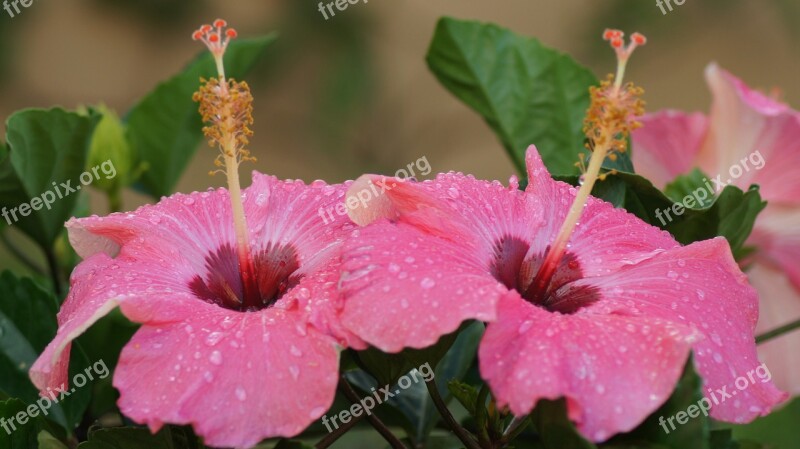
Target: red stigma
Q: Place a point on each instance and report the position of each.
(231, 33)
(219, 23)
(206, 28)
(197, 35)
(214, 37)
(617, 43)
(638, 39)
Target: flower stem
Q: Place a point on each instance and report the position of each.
(387, 434)
(339, 432)
(451, 422)
(775, 333)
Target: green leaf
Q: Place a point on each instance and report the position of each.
(27, 325)
(48, 441)
(414, 403)
(170, 437)
(465, 394)
(527, 93)
(46, 147)
(555, 430)
(695, 433)
(683, 188)
(777, 430)
(165, 128)
(14, 434)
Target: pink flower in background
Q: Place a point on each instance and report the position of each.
(761, 137)
(238, 369)
(611, 332)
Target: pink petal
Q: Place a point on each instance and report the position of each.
(237, 378)
(749, 130)
(777, 236)
(780, 305)
(701, 286)
(605, 240)
(612, 372)
(98, 285)
(667, 145)
(405, 288)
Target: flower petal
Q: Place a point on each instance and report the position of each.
(754, 133)
(701, 286)
(780, 305)
(237, 378)
(98, 285)
(667, 145)
(406, 288)
(612, 372)
(605, 240)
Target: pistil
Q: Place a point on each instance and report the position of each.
(226, 107)
(609, 121)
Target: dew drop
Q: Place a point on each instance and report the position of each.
(241, 394)
(427, 283)
(215, 358)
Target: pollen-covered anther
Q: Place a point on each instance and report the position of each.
(227, 111)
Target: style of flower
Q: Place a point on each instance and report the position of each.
(584, 301)
(748, 138)
(239, 335)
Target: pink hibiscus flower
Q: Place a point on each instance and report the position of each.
(584, 301)
(239, 336)
(747, 139)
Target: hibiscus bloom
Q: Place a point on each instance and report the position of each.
(747, 139)
(613, 329)
(239, 337)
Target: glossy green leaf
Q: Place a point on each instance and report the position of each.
(527, 93)
(554, 428)
(465, 394)
(27, 325)
(47, 147)
(20, 426)
(286, 444)
(165, 128)
(414, 403)
(779, 430)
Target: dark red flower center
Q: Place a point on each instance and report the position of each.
(274, 271)
(516, 268)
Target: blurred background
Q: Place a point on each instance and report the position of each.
(352, 94)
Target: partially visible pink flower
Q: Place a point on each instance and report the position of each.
(235, 372)
(748, 132)
(612, 331)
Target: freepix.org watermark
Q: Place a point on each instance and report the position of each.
(668, 3)
(379, 396)
(58, 192)
(365, 195)
(698, 197)
(717, 397)
(52, 397)
(341, 5)
(12, 6)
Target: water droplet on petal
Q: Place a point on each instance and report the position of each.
(215, 358)
(241, 394)
(427, 283)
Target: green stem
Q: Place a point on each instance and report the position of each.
(387, 434)
(774, 333)
(451, 422)
(338, 433)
